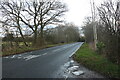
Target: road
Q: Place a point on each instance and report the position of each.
(45, 63)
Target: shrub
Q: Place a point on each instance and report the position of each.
(100, 46)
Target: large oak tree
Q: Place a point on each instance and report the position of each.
(35, 14)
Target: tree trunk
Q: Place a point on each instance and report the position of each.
(11, 44)
(35, 37)
(41, 34)
(21, 32)
(23, 37)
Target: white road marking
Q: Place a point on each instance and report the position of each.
(65, 47)
(5, 57)
(13, 56)
(44, 53)
(56, 50)
(27, 56)
(31, 57)
(19, 57)
(75, 51)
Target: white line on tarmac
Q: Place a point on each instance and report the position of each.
(19, 57)
(31, 57)
(44, 53)
(13, 56)
(5, 57)
(75, 51)
(56, 50)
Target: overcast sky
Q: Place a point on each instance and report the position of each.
(78, 10)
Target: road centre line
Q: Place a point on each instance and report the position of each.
(44, 54)
(13, 56)
(65, 47)
(33, 56)
(56, 50)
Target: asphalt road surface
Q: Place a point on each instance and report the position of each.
(45, 63)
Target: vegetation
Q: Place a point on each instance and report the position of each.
(33, 16)
(107, 30)
(23, 48)
(28, 25)
(52, 37)
(24, 25)
(100, 46)
(97, 62)
(62, 33)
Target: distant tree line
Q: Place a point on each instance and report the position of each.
(108, 30)
(24, 24)
(63, 34)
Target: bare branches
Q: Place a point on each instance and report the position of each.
(34, 14)
(109, 14)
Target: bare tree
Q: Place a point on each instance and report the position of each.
(11, 15)
(63, 33)
(109, 13)
(34, 14)
(88, 30)
(44, 13)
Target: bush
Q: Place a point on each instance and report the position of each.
(100, 46)
(97, 62)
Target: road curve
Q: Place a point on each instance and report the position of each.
(38, 64)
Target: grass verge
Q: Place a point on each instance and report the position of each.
(94, 61)
(27, 49)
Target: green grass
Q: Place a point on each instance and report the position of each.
(94, 61)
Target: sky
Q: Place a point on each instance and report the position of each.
(78, 10)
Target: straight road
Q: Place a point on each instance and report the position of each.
(38, 64)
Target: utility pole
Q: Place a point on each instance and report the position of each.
(94, 24)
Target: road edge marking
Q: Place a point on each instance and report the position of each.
(75, 50)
